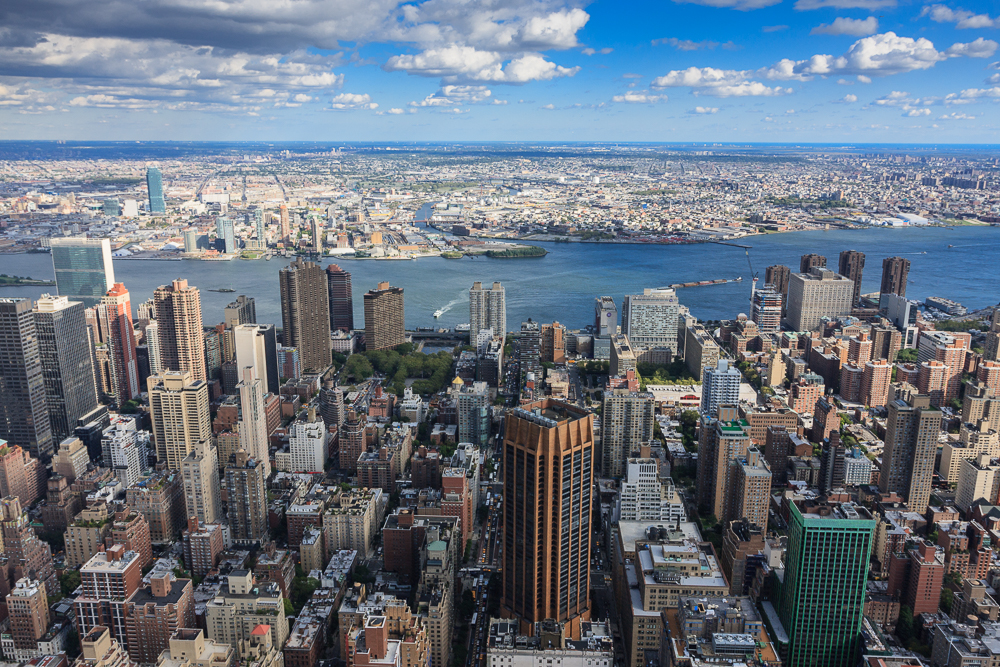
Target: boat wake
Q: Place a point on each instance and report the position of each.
(444, 309)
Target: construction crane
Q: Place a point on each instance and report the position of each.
(753, 275)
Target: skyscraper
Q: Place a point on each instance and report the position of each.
(256, 346)
(252, 426)
(895, 271)
(547, 464)
(258, 222)
(28, 606)
(650, 319)
(305, 313)
(815, 295)
(178, 407)
(626, 423)
(911, 439)
(384, 317)
(224, 229)
(83, 268)
(153, 347)
(247, 499)
(852, 265)
(200, 470)
(178, 313)
(67, 365)
(487, 309)
(341, 299)
(24, 410)
(241, 311)
(530, 342)
(723, 438)
(766, 309)
(286, 230)
(778, 276)
(807, 262)
(115, 314)
(821, 601)
(317, 235)
(720, 386)
(605, 316)
(750, 495)
(154, 184)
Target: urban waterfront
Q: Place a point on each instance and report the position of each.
(561, 286)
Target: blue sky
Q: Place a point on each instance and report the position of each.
(543, 70)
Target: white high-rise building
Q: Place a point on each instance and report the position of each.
(646, 497)
(125, 449)
(307, 444)
(200, 471)
(650, 319)
(487, 309)
(153, 345)
(252, 426)
(250, 350)
(720, 386)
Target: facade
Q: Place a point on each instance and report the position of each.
(85, 536)
(154, 187)
(807, 262)
(21, 544)
(24, 408)
(646, 496)
(247, 499)
(530, 357)
(341, 299)
(750, 492)
(115, 313)
(822, 615)
(83, 268)
(777, 276)
(623, 357)
(352, 521)
(178, 315)
(200, 471)
(307, 444)
(305, 313)
(852, 266)
(180, 414)
(487, 309)
(911, 440)
(203, 545)
(241, 605)
(627, 419)
(71, 460)
(108, 579)
(720, 386)
(125, 449)
(99, 648)
(472, 411)
(252, 426)
(188, 647)
(766, 309)
(605, 316)
(384, 317)
(67, 366)
(722, 440)
(154, 613)
(895, 272)
(256, 346)
(21, 476)
(28, 609)
(159, 497)
(241, 311)
(548, 472)
(650, 319)
(815, 295)
(547, 645)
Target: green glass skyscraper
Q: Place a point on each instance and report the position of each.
(83, 268)
(821, 601)
(154, 183)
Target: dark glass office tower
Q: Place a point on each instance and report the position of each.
(24, 412)
(154, 183)
(341, 301)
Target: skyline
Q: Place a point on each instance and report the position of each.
(873, 71)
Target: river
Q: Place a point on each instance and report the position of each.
(562, 285)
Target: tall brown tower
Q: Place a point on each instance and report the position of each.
(305, 313)
(895, 271)
(384, 317)
(852, 265)
(341, 301)
(547, 475)
(812, 259)
(178, 314)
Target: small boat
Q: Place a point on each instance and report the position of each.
(950, 245)
(438, 313)
(225, 290)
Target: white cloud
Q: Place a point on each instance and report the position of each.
(993, 78)
(974, 94)
(686, 44)
(548, 107)
(741, 5)
(704, 110)
(806, 5)
(864, 79)
(395, 111)
(347, 101)
(455, 112)
(956, 116)
(916, 113)
(449, 96)
(639, 97)
(774, 28)
(980, 48)
(463, 63)
(590, 52)
(963, 19)
(845, 82)
(631, 75)
(845, 26)
(717, 83)
(848, 99)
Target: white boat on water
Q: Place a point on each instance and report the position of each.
(438, 313)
